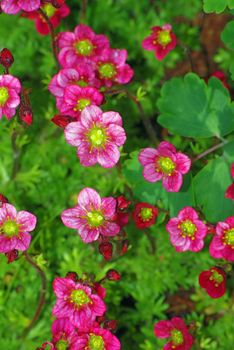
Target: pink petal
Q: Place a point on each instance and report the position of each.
(220, 228)
(89, 198)
(109, 156)
(216, 248)
(7, 211)
(172, 226)
(201, 229)
(196, 245)
(10, 6)
(26, 220)
(72, 218)
(7, 244)
(29, 6)
(230, 221)
(63, 286)
(173, 183)
(88, 234)
(188, 213)
(90, 115)
(162, 329)
(110, 229)
(150, 174)
(74, 133)
(148, 43)
(109, 207)
(166, 148)
(82, 31)
(183, 163)
(125, 74)
(112, 118)
(23, 241)
(66, 39)
(148, 155)
(117, 134)
(86, 156)
(98, 306)
(230, 192)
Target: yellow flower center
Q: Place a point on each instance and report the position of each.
(84, 47)
(166, 165)
(95, 218)
(96, 342)
(177, 337)
(229, 238)
(107, 70)
(10, 228)
(49, 10)
(62, 345)
(82, 83)
(164, 37)
(97, 137)
(188, 228)
(79, 297)
(4, 95)
(81, 104)
(216, 277)
(146, 214)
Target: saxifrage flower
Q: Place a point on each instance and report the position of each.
(144, 215)
(64, 333)
(222, 245)
(213, 281)
(166, 164)
(187, 231)
(81, 46)
(92, 216)
(15, 6)
(15, 228)
(97, 136)
(177, 332)
(77, 302)
(162, 40)
(10, 88)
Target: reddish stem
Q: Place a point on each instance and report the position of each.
(209, 150)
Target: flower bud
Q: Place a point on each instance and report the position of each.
(26, 115)
(6, 58)
(3, 200)
(62, 120)
(12, 256)
(111, 325)
(113, 275)
(72, 275)
(122, 202)
(106, 250)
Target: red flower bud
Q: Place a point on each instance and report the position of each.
(58, 3)
(6, 58)
(111, 325)
(100, 319)
(124, 248)
(113, 275)
(99, 290)
(12, 256)
(3, 200)
(62, 120)
(72, 275)
(106, 250)
(26, 115)
(122, 203)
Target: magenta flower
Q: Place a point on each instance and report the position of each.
(177, 332)
(112, 69)
(187, 232)
(76, 98)
(92, 216)
(10, 88)
(222, 245)
(14, 6)
(64, 333)
(76, 302)
(97, 339)
(15, 228)
(97, 136)
(166, 164)
(81, 46)
(162, 40)
(82, 76)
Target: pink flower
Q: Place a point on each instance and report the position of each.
(54, 14)
(76, 98)
(82, 76)
(64, 333)
(81, 46)
(214, 282)
(177, 332)
(222, 245)
(92, 216)
(15, 6)
(187, 232)
(15, 228)
(10, 88)
(97, 136)
(112, 69)
(76, 302)
(162, 40)
(166, 164)
(97, 339)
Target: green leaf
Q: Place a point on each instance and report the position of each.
(210, 185)
(228, 35)
(232, 70)
(189, 107)
(217, 6)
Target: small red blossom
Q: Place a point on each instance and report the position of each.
(111, 325)
(124, 248)
(72, 275)
(113, 275)
(3, 200)
(62, 120)
(177, 332)
(161, 40)
(106, 250)
(6, 58)
(214, 282)
(122, 202)
(12, 256)
(26, 114)
(222, 77)
(144, 215)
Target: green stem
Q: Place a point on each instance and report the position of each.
(210, 150)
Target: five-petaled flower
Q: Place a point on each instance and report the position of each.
(12, 7)
(97, 136)
(77, 302)
(222, 245)
(177, 333)
(162, 40)
(10, 88)
(144, 215)
(64, 333)
(81, 46)
(165, 163)
(213, 281)
(92, 217)
(15, 228)
(54, 14)
(187, 232)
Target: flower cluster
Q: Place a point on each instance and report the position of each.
(13, 7)
(80, 316)
(177, 333)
